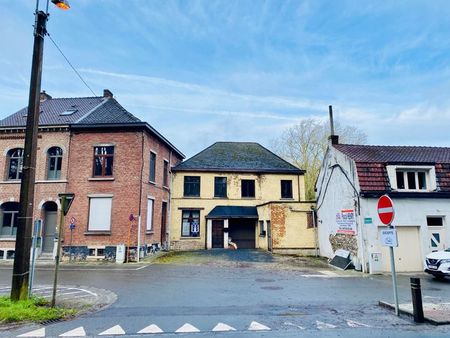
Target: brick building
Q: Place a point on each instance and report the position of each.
(115, 164)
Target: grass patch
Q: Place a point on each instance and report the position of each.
(35, 309)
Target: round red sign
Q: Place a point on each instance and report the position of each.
(385, 210)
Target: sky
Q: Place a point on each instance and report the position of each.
(245, 70)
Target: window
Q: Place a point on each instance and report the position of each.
(262, 229)
(435, 221)
(150, 203)
(220, 187)
(191, 186)
(103, 161)
(166, 174)
(152, 176)
(9, 212)
(100, 214)
(248, 188)
(311, 220)
(286, 189)
(15, 163)
(54, 155)
(190, 224)
(411, 180)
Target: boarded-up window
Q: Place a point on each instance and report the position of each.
(100, 214)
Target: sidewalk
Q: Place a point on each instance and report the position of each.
(434, 313)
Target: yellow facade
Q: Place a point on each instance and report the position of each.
(292, 234)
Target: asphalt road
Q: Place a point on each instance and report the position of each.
(248, 292)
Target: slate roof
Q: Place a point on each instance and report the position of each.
(371, 164)
(88, 110)
(237, 157)
(222, 211)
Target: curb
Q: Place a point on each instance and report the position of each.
(409, 314)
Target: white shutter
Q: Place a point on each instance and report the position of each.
(149, 214)
(100, 214)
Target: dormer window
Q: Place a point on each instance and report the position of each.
(412, 178)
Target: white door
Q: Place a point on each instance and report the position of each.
(408, 254)
(437, 238)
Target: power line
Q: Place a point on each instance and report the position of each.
(70, 64)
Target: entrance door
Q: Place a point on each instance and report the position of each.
(269, 236)
(163, 222)
(217, 234)
(49, 231)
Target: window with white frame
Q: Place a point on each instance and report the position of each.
(411, 179)
(150, 203)
(100, 214)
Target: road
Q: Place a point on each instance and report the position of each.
(250, 293)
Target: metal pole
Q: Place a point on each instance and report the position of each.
(138, 239)
(71, 236)
(394, 279)
(416, 294)
(19, 285)
(58, 250)
(33, 257)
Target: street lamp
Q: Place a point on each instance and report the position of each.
(21, 269)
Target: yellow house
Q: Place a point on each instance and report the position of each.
(240, 195)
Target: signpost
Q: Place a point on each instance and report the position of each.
(386, 213)
(34, 244)
(72, 228)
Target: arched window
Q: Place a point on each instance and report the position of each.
(15, 161)
(54, 163)
(8, 217)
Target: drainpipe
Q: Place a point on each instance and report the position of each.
(140, 201)
(169, 204)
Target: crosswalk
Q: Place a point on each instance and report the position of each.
(154, 329)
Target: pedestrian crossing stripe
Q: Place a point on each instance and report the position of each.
(223, 327)
(78, 332)
(112, 331)
(151, 329)
(321, 325)
(353, 323)
(35, 333)
(255, 326)
(187, 328)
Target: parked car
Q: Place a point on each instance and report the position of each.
(438, 263)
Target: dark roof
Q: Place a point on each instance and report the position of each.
(371, 164)
(233, 212)
(395, 154)
(88, 113)
(237, 157)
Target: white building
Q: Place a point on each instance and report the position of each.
(351, 180)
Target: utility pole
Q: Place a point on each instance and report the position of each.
(21, 270)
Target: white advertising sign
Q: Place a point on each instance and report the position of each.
(388, 237)
(346, 222)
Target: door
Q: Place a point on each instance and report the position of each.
(437, 238)
(49, 231)
(242, 233)
(163, 222)
(217, 234)
(269, 236)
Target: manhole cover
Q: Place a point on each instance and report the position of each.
(264, 280)
(271, 288)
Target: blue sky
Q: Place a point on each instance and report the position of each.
(244, 70)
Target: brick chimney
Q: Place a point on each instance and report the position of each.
(44, 96)
(107, 93)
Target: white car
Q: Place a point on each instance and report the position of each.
(438, 263)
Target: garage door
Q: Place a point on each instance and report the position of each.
(407, 254)
(242, 232)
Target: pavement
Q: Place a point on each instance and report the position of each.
(248, 293)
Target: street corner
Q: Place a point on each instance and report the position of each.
(434, 312)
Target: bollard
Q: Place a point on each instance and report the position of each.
(416, 294)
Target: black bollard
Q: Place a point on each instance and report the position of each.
(416, 294)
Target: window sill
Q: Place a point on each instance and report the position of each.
(287, 198)
(52, 181)
(149, 232)
(11, 182)
(101, 179)
(97, 233)
(412, 190)
(248, 198)
(192, 197)
(166, 187)
(262, 236)
(187, 238)
(152, 182)
(7, 239)
(221, 197)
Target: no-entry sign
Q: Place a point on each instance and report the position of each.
(385, 210)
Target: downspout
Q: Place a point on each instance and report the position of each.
(140, 202)
(298, 183)
(169, 204)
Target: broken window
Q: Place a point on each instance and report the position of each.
(190, 224)
(248, 188)
(103, 161)
(286, 189)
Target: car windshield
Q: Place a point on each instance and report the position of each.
(447, 250)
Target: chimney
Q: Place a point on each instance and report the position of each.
(107, 93)
(333, 138)
(44, 96)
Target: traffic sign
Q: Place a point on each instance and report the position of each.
(385, 209)
(72, 220)
(389, 237)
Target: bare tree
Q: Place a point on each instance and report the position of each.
(304, 145)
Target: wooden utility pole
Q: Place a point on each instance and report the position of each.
(21, 270)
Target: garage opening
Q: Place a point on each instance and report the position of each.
(242, 233)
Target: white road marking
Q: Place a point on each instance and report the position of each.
(78, 332)
(35, 333)
(353, 323)
(255, 326)
(295, 325)
(321, 325)
(187, 328)
(151, 329)
(142, 267)
(223, 327)
(115, 330)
